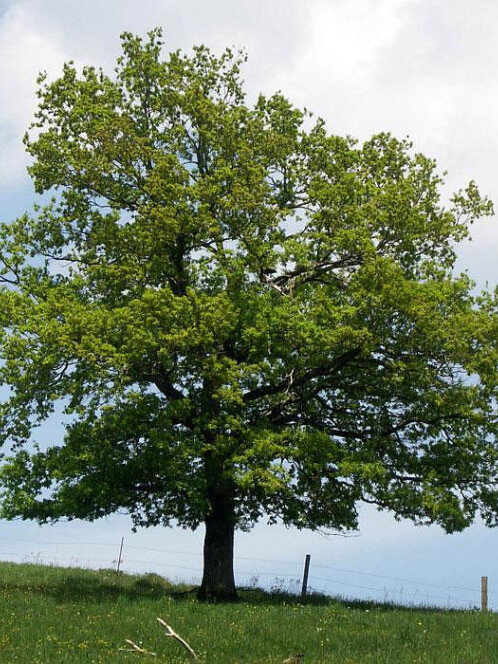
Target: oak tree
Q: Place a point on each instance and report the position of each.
(240, 315)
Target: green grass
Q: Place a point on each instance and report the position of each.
(50, 614)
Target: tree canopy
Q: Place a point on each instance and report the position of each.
(241, 315)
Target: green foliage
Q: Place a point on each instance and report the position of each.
(222, 296)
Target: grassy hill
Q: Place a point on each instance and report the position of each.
(50, 614)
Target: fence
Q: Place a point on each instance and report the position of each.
(267, 573)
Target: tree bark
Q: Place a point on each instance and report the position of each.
(218, 582)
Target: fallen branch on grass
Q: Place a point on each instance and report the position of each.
(169, 632)
(135, 648)
(174, 635)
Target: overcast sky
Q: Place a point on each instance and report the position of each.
(423, 68)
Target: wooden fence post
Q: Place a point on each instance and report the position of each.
(304, 588)
(484, 593)
(120, 554)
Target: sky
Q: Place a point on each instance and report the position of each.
(416, 68)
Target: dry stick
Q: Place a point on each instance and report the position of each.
(135, 648)
(174, 635)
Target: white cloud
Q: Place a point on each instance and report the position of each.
(40, 35)
(24, 52)
(412, 67)
(408, 66)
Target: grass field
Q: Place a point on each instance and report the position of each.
(56, 615)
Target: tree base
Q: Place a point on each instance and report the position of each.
(216, 595)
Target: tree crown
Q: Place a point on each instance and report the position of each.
(219, 289)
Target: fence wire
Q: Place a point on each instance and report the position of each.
(283, 577)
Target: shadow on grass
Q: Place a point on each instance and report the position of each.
(150, 586)
(69, 585)
(74, 584)
(255, 596)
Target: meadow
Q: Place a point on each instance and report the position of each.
(51, 614)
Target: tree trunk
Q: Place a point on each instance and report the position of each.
(218, 582)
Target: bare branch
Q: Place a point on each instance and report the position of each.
(138, 649)
(174, 635)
